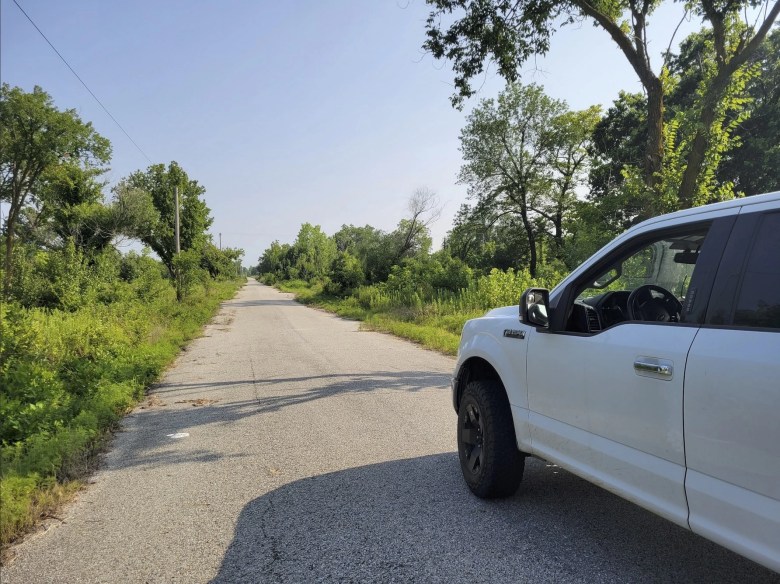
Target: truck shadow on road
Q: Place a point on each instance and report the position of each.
(415, 521)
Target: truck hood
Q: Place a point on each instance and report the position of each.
(504, 311)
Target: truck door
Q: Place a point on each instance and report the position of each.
(606, 394)
(732, 398)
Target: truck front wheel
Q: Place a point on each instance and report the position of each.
(491, 463)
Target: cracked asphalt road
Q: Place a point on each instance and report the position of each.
(286, 445)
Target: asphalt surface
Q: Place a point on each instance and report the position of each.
(287, 445)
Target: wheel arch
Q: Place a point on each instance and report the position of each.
(474, 369)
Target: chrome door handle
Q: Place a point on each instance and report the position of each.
(654, 367)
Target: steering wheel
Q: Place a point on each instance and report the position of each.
(642, 305)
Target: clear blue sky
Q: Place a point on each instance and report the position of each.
(287, 112)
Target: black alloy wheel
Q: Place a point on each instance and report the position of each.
(492, 465)
(471, 436)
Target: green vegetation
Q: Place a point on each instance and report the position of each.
(432, 318)
(68, 376)
(547, 185)
(83, 328)
(679, 154)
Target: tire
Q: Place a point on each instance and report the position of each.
(489, 459)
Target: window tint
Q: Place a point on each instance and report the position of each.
(758, 304)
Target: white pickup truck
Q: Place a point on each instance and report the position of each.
(652, 370)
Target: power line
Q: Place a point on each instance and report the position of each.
(105, 109)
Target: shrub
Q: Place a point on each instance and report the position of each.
(68, 376)
(346, 274)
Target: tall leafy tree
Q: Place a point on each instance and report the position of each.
(313, 252)
(130, 213)
(35, 138)
(485, 239)
(616, 145)
(568, 162)
(752, 162)
(221, 263)
(379, 251)
(66, 195)
(371, 247)
(276, 259)
(511, 31)
(525, 154)
(749, 164)
(195, 216)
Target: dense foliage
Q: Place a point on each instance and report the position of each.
(678, 159)
(84, 328)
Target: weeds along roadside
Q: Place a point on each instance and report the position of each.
(69, 376)
(433, 318)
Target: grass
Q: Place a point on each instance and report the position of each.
(69, 376)
(432, 325)
(428, 335)
(414, 310)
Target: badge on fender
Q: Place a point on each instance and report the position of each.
(514, 334)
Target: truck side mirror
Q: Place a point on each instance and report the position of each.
(535, 307)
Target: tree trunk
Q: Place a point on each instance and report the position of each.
(558, 236)
(531, 241)
(9, 250)
(654, 150)
(10, 234)
(687, 192)
(715, 92)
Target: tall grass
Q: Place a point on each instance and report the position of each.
(68, 376)
(435, 318)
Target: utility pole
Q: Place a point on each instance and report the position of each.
(176, 236)
(176, 220)
(220, 242)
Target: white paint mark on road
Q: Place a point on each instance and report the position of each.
(178, 435)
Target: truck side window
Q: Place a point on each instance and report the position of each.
(758, 303)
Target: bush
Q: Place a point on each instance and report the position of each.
(347, 274)
(190, 273)
(68, 376)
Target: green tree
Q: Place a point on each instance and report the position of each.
(195, 216)
(370, 246)
(347, 272)
(35, 138)
(313, 252)
(568, 162)
(749, 164)
(130, 213)
(378, 251)
(73, 209)
(752, 162)
(617, 144)
(276, 260)
(485, 238)
(73, 205)
(221, 263)
(511, 31)
(525, 154)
